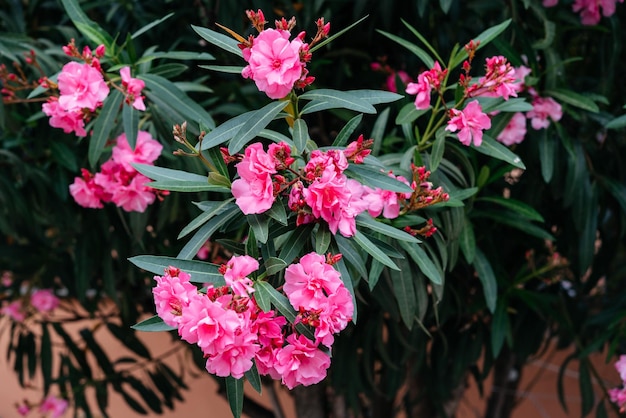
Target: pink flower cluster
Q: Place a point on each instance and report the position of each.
(51, 407)
(118, 181)
(392, 75)
(82, 89)
(320, 190)
(470, 123)
(618, 394)
(42, 300)
(426, 81)
(590, 13)
(233, 332)
(276, 63)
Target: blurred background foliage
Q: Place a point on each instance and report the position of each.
(557, 256)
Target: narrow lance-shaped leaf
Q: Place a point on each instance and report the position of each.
(423, 261)
(86, 26)
(338, 99)
(300, 134)
(343, 135)
(152, 324)
(483, 39)
(370, 248)
(203, 234)
(104, 126)
(254, 125)
(218, 39)
(234, 393)
(130, 118)
(494, 149)
(200, 271)
(404, 290)
(487, 278)
(419, 52)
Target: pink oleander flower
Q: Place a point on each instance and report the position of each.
(274, 62)
(147, 150)
(386, 202)
(86, 192)
(331, 161)
(544, 108)
(235, 359)
(309, 282)
(390, 83)
(269, 328)
(254, 190)
(7, 278)
(235, 273)
(68, 120)
(208, 324)
(23, 409)
(470, 123)
(281, 153)
(14, 310)
(81, 87)
(425, 83)
(172, 294)
(590, 10)
(134, 196)
(54, 406)
(44, 300)
(618, 397)
(500, 80)
(334, 316)
(520, 74)
(550, 3)
(515, 131)
(356, 151)
(301, 362)
(133, 89)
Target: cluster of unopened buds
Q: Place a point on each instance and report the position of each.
(320, 190)
(501, 79)
(81, 88)
(118, 181)
(16, 81)
(234, 333)
(277, 64)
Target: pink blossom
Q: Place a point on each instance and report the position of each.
(425, 83)
(470, 122)
(515, 131)
(14, 310)
(269, 327)
(544, 108)
(55, 406)
(85, 191)
(172, 294)
(68, 120)
(499, 81)
(590, 10)
(301, 362)
(274, 62)
(520, 74)
(309, 282)
(335, 314)
(236, 271)
(390, 83)
(81, 87)
(23, 409)
(134, 196)
(7, 278)
(254, 190)
(146, 151)
(618, 397)
(133, 89)
(386, 202)
(44, 300)
(281, 153)
(235, 358)
(332, 161)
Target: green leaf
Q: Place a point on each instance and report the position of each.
(90, 29)
(167, 174)
(277, 212)
(323, 237)
(428, 61)
(586, 388)
(423, 40)
(336, 35)
(517, 206)
(274, 265)
(509, 218)
(445, 5)
(573, 98)
(467, 241)
(495, 149)
(425, 264)
(225, 131)
(234, 393)
(439, 146)
(499, 328)
(409, 113)
(374, 97)
(165, 93)
(130, 118)
(404, 290)
(342, 137)
(152, 324)
(487, 278)
(200, 271)
(228, 69)
(498, 104)
(296, 241)
(601, 410)
(370, 248)
(260, 225)
(300, 134)
(560, 380)
(373, 177)
(616, 123)
(203, 234)
(255, 124)
(547, 154)
(617, 189)
(253, 377)
(187, 186)
(150, 25)
(335, 99)
(103, 126)
(218, 39)
(366, 221)
(262, 297)
(207, 214)
(351, 254)
(483, 39)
